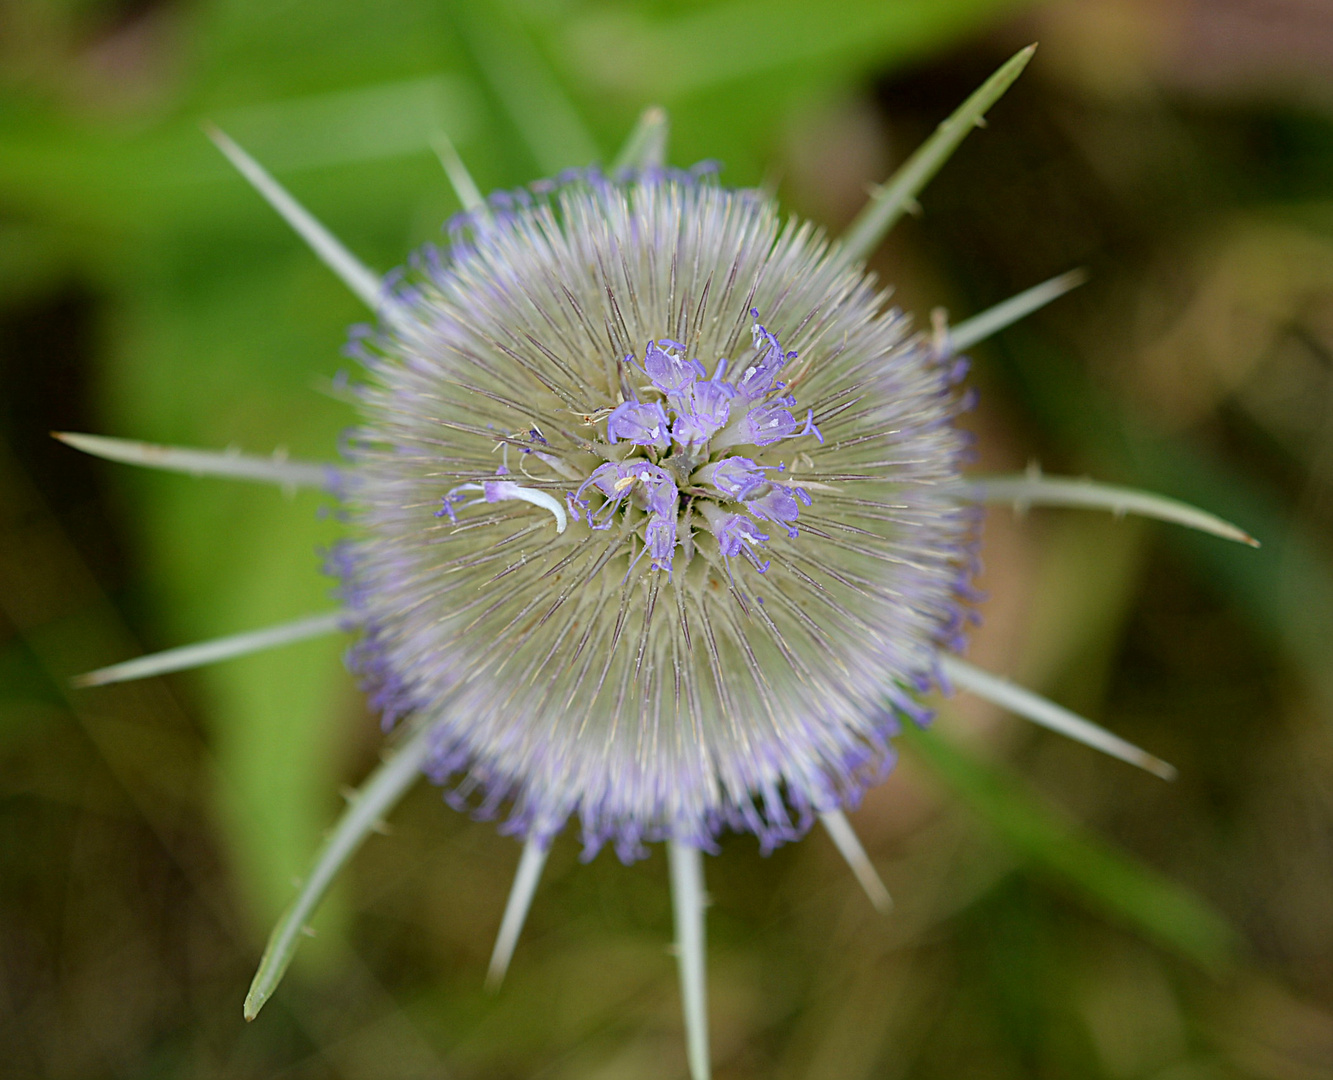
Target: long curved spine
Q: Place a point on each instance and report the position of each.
(1048, 714)
(375, 798)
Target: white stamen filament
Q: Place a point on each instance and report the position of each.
(508, 490)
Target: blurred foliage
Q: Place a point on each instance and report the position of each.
(150, 832)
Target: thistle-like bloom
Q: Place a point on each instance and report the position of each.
(658, 523)
(621, 586)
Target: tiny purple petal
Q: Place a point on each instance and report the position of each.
(736, 477)
(779, 503)
(659, 489)
(644, 424)
(604, 478)
(736, 531)
(766, 424)
(706, 411)
(660, 536)
(669, 370)
(447, 507)
(757, 379)
(738, 535)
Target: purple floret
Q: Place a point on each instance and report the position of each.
(766, 424)
(658, 487)
(758, 377)
(660, 537)
(669, 370)
(781, 504)
(706, 411)
(640, 423)
(736, 477)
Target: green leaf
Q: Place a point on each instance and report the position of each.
(533, 97)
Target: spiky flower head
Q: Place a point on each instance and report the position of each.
(652, 513)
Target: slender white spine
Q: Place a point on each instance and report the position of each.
(849, 846)
(1003, 315)
(364, 813)
(688, 900)
(1034, 489)
(530, 866)
(896, 197)
(461, 180)
(647, 143)
(331, 251)
(236, 466)
(215, 651)
(1039, 710)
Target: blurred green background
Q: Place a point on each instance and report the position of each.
(1059, 915)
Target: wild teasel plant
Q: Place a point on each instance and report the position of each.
(658, 522)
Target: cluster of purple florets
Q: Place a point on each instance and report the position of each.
(697, 416)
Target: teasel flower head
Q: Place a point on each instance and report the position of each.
(658, 522)
(655, 514)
